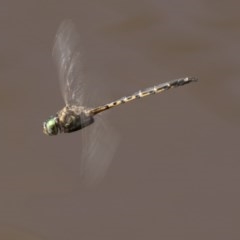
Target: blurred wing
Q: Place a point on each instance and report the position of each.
(99, 143)
(67, 56)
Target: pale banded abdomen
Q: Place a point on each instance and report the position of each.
(146, 92)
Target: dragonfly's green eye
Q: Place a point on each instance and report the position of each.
(50, 127)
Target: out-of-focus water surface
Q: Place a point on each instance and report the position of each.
(175, 174)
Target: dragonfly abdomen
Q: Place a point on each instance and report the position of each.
(146, 92)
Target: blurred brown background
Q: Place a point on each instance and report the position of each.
(175, 174)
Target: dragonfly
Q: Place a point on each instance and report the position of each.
(76, 113)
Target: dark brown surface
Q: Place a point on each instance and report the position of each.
(176, 171)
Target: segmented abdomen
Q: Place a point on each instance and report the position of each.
(146, 92)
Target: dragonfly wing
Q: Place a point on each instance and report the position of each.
(67, 55)
(99, 143)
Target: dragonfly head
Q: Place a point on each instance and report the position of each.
(50, 127)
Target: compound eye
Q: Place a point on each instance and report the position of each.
(50, 127)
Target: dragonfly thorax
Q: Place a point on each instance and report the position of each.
(73, 118)
(69, 119)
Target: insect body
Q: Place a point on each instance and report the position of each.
(73, 118)
(69, 119)
(99, 140)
